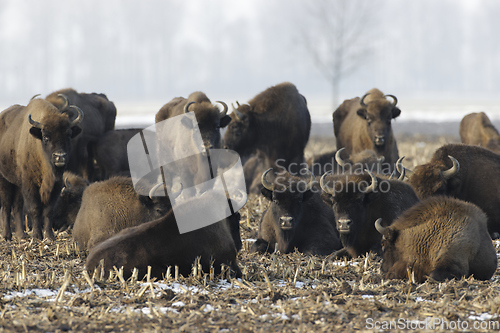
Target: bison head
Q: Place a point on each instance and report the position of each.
(349, 197)
(378, 113)
(240, 135)
(435, 178)
(287, 194)
(55, 130)
(210, 120)
(68, 204)
(391, 262)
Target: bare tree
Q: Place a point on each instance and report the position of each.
(339, 35)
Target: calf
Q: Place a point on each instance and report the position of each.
(440, 237)
(296, 218)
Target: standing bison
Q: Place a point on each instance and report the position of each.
(443, 238)
(469, 173)
(35, 145)
(477, 129)
(276, 123)
(365, 123)
(100, 114)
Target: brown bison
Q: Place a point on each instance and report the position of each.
(70, 199)
(357, 201)
(441, 237)
(297, 218)
(476, 129)
(100, 114)
(35, 145)
(365, 123)
(276, 123)
(469, 173)
(158, 244)
(113, 205)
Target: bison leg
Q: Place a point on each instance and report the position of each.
(33, 207)
(6, 195)
(18, 215)
(449, 270)
(343, 252)
(261, 246)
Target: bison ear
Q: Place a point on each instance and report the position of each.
(75, 130)
(224, 121)
(36, 132)
(327, 198)
(390, 234)
(395, 112)
(362, 113)
(267, 193)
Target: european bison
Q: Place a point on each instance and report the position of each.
(469, 173)
(158, 244)
(440, 237)
(357, 201)
(70, 199)
(100, 114)
(35, 144)
(365, 123)
(297, 218)
(476, 129)
(277, 123)
(113, 205)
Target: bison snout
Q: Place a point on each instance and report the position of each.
(286, 222)
(344, 225)
(379, 140)
(59, 159)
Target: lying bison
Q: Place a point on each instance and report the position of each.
(441, 237)
(357, 201)
(469, 173)
(158, 244)
(476, 129)
(296, 219)
(365, 123)
(35, 145)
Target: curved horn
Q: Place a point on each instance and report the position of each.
(401, 169)
(379, 227)
(447, 174)
(34, 123)
(394, 99)
(265, 182)
(32, 98)
(373, 185)
(78, 118)
(67, 184)
(224, 112)
(66, 101)
(238, 114)
(393, 175)
(323, 185)
(153, 190)
(362, 101)
(186, 107)
(339, 159)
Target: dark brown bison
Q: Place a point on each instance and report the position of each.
(113, 205)
(365, 123)
(158, 244)
(440, 237)
(357, 201)
(70, 199)
(35, 145)
(297, 218)
(100, 114)
(276, 123)
(469, 173)
(111, 157)
(476, 129)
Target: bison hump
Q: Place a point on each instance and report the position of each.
(341, 113)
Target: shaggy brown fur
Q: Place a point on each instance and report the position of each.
(442, 238)
(69, 201)
(477, 129)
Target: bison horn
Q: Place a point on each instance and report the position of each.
(373, 185)
(265, 182)
(67, 184)
(186, 107)
(362, 101)
(66, 101)
(447, 174)
(32, 98)
(400, 168)
(394, 99)
(153, 190)
(34, 123)
(379, 227)
(339, 159)
(323, 185)
(393, 175)
(224, 112)
(79, 116)
(239, 115)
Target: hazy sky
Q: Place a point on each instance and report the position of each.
(147, 52)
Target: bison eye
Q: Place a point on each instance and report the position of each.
(45, 138)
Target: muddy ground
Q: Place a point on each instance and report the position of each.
(43, 288)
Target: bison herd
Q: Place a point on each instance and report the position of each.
(63, 165)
